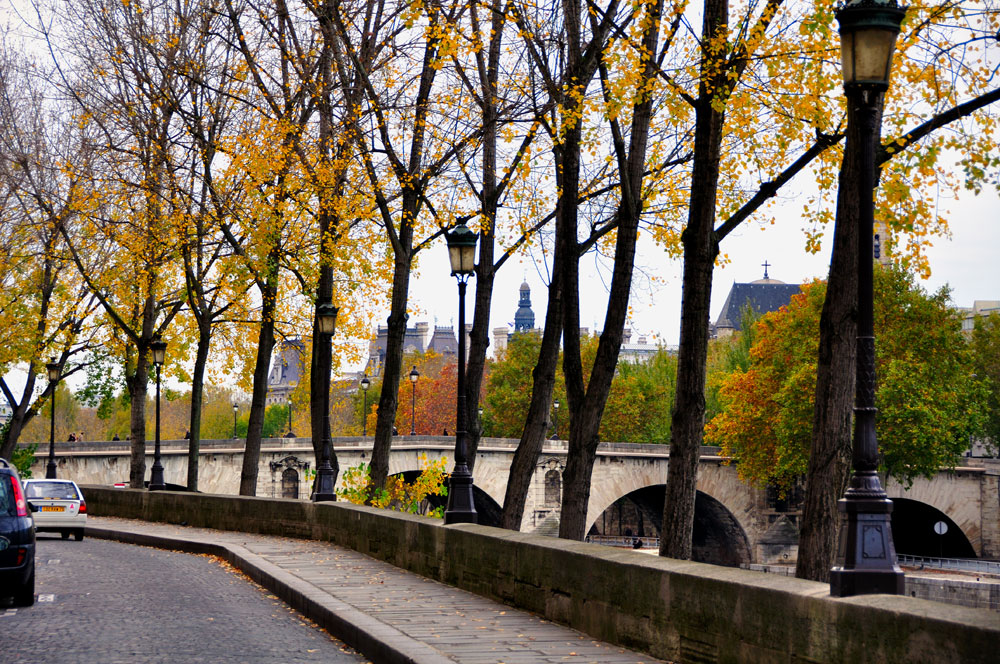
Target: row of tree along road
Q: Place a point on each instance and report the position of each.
(207, 172)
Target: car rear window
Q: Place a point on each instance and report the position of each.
(7, 506)
(52, 490)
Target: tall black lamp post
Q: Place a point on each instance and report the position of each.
(236, 412)
(159, 350)
(866, 556)
(291, 434)
(461, 506)
(326, 317)
(555, 419)
(52, 368)
(414, 375)
(365, 384)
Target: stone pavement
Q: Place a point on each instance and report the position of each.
(388, 614)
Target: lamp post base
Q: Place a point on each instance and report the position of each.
(324, 485)
(866, 559)
(156, 478)
(50, 470)
(461, 506)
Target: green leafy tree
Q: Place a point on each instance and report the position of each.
(926, 391)
(638, 409)
(508, 388)
(986, 364)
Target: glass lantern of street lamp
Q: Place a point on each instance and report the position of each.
(326, 316)
(414, 374)
(365, 383)
(159, 350)
(53, 370)
(462, 250)
(868, 30)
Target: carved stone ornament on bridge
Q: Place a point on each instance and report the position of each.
(288, 472)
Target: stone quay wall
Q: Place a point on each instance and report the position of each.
(675, 610)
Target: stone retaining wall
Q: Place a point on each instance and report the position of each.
(963, 592)
(675, 610)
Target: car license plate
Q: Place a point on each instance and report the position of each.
(50, 508)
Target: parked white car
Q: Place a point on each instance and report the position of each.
(60, 507)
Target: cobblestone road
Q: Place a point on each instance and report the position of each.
(106, 602)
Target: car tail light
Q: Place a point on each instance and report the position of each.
(83, 506)
(22, 553)
(22, 506)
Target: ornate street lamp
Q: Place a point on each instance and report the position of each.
(236, 411)
(291, 434)
(414, 375)
(866, 557)
(53, 370)
(555, 419)
(326, 323)
(159, 350)
(365, 384)
(461, 506)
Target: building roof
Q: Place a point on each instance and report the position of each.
(443, 342)
(287, 367)
(763, 296)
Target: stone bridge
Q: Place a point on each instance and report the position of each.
(734, 522)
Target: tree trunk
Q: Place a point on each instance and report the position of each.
(21, 415)
(391, 371)
(197, 391)
(700, 250)
(586, 417)
(255, 427)
(479, 339)
(136, 384)
(522, 467)
(830, 453)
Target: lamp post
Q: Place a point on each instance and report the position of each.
(236, 411)
(326, 317)
(52, 368)
(365, 384)
(555, 419)
(461, 506)
(866, 557)
(159, 350)
(291, 434)
(414, 375)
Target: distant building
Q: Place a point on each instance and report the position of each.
(763, 296)
(524, 318)
(286, 370)
(442, 340)
(639, 352)
(524, 322)
(5, 413)
(978, 308)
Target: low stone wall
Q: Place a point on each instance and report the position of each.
(675, 610)
(964, 592)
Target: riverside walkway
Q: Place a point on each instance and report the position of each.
(390, 615)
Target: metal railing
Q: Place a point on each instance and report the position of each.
(624, 541)
(960, 564)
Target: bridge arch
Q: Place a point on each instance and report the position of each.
(718, 537)
(954, 495)
(616, 480)
(721, 504)
(913, 531)
(487, 504)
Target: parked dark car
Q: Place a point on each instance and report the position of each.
(17, 539)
